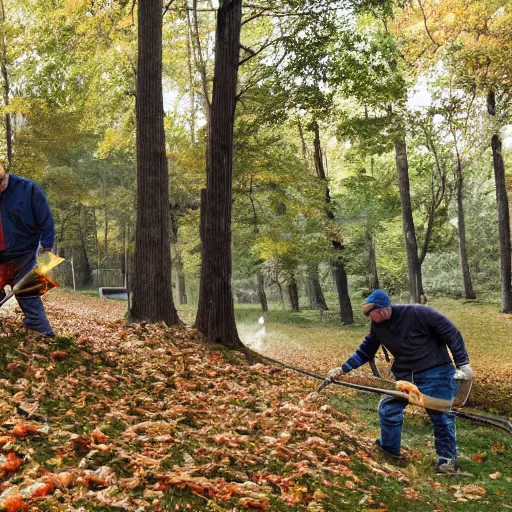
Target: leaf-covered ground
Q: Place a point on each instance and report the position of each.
(143, 418)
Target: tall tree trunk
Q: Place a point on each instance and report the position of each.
(340, 278)
(340, 275)
(177, 261)
(293, 294)
(317, 299)
(261, 293)
(182, 288)
(152, 287)
(215, 287)
(461, 231)
(413, 267)
(84, 273)
(105, 238)
(303, 141)
(503, 214)
(191, 80)
(374, 274)
(6, 87)
(200, 64)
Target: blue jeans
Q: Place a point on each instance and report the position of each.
(32, 307)
(437, 382)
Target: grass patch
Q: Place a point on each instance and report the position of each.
(492, 449)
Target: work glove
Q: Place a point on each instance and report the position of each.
(334, 373)
(464, 372)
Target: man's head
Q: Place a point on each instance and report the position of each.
(377, 306)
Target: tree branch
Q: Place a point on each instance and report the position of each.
(426, 26)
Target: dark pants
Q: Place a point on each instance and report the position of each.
(437, 382)
(32, 307)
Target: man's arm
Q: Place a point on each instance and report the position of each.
(364, 353)
(43, 217)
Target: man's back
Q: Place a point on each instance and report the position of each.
(411, 335)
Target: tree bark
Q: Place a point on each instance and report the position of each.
(461, 231)
(191, 79)
(374, 274)
(5, 76)
(200, 64)
(182, 288)
(503, 214)
(216, 317)
(293, 294)
(261, 293)
(84, 268)
(315, 293)
(177, 262)
(340, 278)
(413, 267)
(152, 287)
(340, 275)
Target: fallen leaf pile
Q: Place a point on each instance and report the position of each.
(130, 418)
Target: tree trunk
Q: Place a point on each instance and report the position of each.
(503, 214)
(191, 80)
(340, 275)
(461, 231)
(177, 261)
(261, 293)
(182, 288)
(5, 76)
(105, 238)
(84, 268)
(317, 299)
(152, 287)
(216, 316)
(374, 274)
(413, 267)
(340, 278)
(293, 294)
(200, 64)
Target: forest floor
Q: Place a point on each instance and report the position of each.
(108, 417)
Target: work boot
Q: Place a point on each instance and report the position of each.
(38, 336)
(448, 467)
(397, 457)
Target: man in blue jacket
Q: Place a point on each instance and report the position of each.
(419, 338)
(26, 228)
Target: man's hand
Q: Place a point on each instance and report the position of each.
(464, 372)
(334, 373)
(43, 250)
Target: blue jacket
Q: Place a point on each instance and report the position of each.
(418, 337)
(26, 219)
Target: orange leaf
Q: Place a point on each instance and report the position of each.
(479, 457)
(498, 447)
(59, 355)
(23, 429)
(12, 463)
(98, 436)
(15, 503)
(250, 503)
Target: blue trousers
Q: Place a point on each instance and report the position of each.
(32, 307)
(437, 382)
